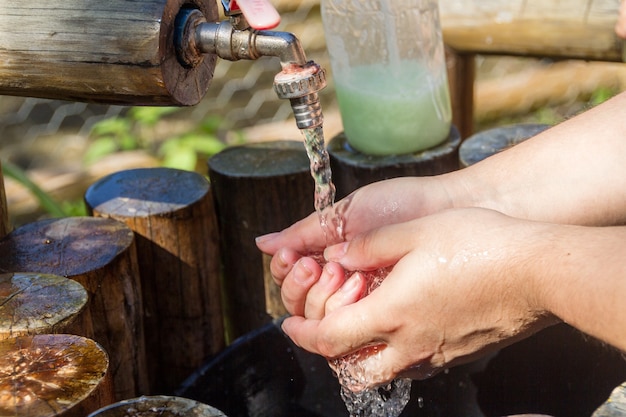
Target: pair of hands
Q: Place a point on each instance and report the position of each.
(449, 298)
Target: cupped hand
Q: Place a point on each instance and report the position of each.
(370, 207)
(459, 289)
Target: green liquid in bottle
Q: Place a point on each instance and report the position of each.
(393, 112)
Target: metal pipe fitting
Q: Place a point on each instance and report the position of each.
(299, 81)
(300, 84)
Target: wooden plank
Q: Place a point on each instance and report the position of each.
(582, 29)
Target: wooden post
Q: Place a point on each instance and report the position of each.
(4, 211)
(582, 29)
(33, 303)
(258, 188)
(53, 375)
(117, 51)
(461, 75)
(352, 169)
(171, 212)
(100, 255)
(158, 406)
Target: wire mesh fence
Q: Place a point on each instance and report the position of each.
(240, 94)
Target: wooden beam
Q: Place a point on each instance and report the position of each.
(581, 29)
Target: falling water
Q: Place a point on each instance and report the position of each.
(331, 223)
(353, 375)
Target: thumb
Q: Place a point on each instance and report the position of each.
(372, 250)
(304, 236)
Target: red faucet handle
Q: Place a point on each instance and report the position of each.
(260, 14)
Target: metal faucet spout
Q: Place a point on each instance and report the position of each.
(299, 81)
(223, 40)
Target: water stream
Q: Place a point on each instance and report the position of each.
(351, 370)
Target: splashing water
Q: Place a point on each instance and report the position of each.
(352, 371)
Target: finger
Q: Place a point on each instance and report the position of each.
(339, 333)
(303, 236)
(350, 292)
(375, 249)
(282, 263)
(385, 361)
(330, 281)
(296, 285)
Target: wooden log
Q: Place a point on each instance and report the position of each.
(581, 29)
(4, 211)
(352, 169)
(171, 212)
(158, 406)
(258, 188)
(117, 51)
(461, 75)
(53, 375)
(100, 254)
(32, 303)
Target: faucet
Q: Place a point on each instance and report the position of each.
(238, 37)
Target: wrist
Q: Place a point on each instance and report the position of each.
(466, 188)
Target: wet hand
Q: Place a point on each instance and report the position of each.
(457, 291)
(375, 205)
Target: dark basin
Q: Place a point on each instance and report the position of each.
(558, 372)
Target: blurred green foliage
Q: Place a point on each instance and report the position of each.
(135, 130)
(132, 131)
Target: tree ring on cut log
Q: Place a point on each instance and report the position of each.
(158, 406)
(46, 375)
(32, 303)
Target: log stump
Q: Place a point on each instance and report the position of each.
(491, 141)
(258, 188)
(158, 406)
(171, 212)
(352, 169)
(53, 375)
(100, 255)
(32, 303)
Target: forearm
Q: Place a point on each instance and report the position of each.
(579, 274)
(572, 173)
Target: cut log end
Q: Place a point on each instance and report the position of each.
(32, 303)
(49, 375)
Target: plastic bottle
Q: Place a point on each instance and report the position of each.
(388, 64)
